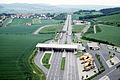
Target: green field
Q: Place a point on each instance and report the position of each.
(13, 28)
(22, 21)
(46, 59)
(6, 22)
(76, 16)
(77, 28)
(109, 20)
(14, 53)
(52, 21)
(19, 29)
(63, 63)
(108, 34)
(52, 29)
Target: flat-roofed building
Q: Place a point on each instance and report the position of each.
(93, 46)
(57, 47)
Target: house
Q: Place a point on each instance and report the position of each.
(28, 24)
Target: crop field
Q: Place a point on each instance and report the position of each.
(6, 22)
(77, 28)
(22, 21)
(110, 20)
(108, 34)
(14, 53)
(19, 29)
(25, 29)
(52, 29)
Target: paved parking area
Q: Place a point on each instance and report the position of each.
(81, 68)
(114, 59)
(105, 78)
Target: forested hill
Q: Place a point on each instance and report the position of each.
(110, 10)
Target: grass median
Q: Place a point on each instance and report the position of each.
(46, 59)
(63, 63)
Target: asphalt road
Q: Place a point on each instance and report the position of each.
(37, 62)
(54, 71)
(71, 69)
(38, 30)
(112, 73)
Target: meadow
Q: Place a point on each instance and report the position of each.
(52, 29)
(14, 53)
(108, 34)
(77, 28)
(113, 20)
(76, 16)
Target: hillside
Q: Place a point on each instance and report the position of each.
(110, 10)
(109, 20)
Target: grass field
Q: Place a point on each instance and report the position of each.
(76, 16)
(6, 22)
(63, 63)
(19, 29)
(52, 21)
(77, 28)
(108, 34)
(46, 59)
(110, 20)
(52, 29)
(14, 53)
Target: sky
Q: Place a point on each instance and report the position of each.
(67, 2)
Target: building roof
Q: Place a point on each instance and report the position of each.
(65, 46)
(92, 44)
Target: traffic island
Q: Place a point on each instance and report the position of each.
(45, 60)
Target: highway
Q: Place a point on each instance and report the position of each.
(69, 39)
(55, 73)
(71, 69)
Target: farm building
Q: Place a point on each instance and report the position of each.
(28, 23)
(93, 46)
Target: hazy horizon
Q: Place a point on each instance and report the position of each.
(66, 2)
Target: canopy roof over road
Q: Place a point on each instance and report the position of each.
(64, 46)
